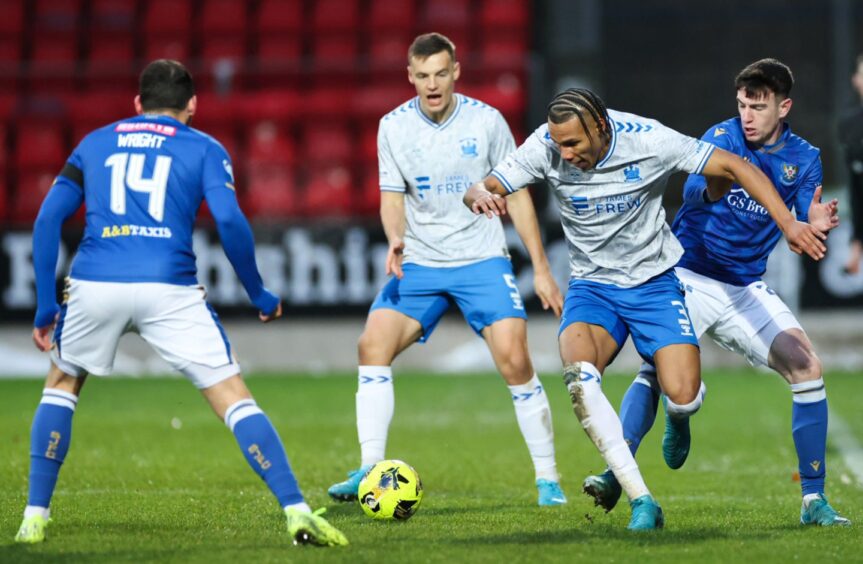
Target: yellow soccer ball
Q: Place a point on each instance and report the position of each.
(390, 490)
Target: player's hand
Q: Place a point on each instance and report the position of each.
(855, 253)
(549, 294)
(42, 336)
(275, 315)
(823, 216)
(804, 238)
(395, 254)
(480, 200)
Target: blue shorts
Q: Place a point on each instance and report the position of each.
(654, 313)
(484, 291)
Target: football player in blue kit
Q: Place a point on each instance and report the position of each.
(142, 180)
(727, 238)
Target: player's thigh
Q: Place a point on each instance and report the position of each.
(386, 334)
(754, 319)
(590, 328)
(678, 368)
(706, 299)
(186, 332)
(93, 317)
(419, 294)
(486, 293)
(507, 342)
(656, 315)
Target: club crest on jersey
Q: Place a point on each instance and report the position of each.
(632, 174)
(469, 148)
(789, 173)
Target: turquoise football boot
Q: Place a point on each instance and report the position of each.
(646, 514)
(819, 512)
(549, 493)
(347, 490)
(604, 489)
(676, 440)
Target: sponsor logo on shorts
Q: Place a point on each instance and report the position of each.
(683, 320)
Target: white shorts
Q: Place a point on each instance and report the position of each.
(175, 320)
(741, 319)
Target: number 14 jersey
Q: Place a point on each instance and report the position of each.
(144, 179)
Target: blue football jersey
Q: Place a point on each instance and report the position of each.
(144, 179)
(731, 240)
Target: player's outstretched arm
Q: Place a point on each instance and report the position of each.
(487, 197)
(801, 237)
(64, 198)
(239, 245)
(523, 215)
(393, 221)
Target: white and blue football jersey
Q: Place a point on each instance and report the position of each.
(612, 215)
(731, 240)
(144, 179)
(434, 165)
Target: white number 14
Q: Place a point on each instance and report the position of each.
(127, 171)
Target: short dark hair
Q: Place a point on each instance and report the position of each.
(428, 44)
(765, 76)
(573, 102)
(165, 85)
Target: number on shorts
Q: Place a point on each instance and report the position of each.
(127, 171)
(515, 295)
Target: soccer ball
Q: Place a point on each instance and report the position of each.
(390, 490)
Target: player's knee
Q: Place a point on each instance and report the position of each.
(805, 368)
(686, 402)
(515, 367)
(373, 350)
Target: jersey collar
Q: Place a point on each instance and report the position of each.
(780, 143)
(449, 120)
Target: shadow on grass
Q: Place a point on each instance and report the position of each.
(607, 533)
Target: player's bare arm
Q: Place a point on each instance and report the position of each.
(393, 220)
(801, 237)
(523, 215)
(487, 197)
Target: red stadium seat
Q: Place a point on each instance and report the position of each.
(5, 196)
(222, 16)
(498, 15)
(373, 102)
(112, 49)
(12, 22)
(216, 112)
(113, 15)
(57, 16)
(4, 148)
(336, 16)
(271, 192)
(391, 15)
(275, 105)
(221, 47)
(389, 50)
(335, 50)
(452, 14)
(327, 144)
(50, 49)
(280, 16)
(10, 50)
(164, 17)
(167, 47)
(504, 51)
(267, 144)
(39, 145)
(325, 102)
(279, 49)
(30, 190)
(368, 200)
(369, 144)
(328, 193)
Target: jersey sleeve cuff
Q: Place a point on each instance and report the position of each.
(705, 158)
(506, 184)
(391, 188)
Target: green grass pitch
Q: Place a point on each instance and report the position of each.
(135, 488)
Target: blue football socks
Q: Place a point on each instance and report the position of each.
(638, 408)
(49, 442)
(809, 428)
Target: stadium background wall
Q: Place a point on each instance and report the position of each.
(338, 269)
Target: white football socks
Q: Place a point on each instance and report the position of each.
(677, 411)
(603, 426)
(375, 406)
(534, 419)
